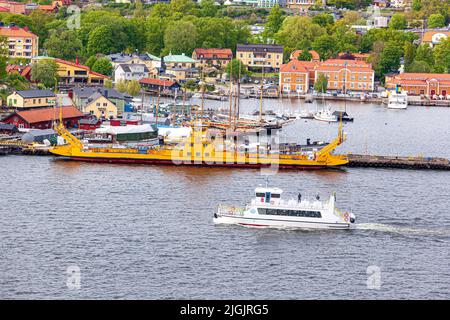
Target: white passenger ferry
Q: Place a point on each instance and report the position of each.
(398, 100)
(267, 209)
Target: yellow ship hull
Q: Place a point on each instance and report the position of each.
(223, 160)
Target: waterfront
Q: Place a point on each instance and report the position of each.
(146, 231)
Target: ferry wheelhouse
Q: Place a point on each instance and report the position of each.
(268, 209)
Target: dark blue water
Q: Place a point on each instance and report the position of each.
(147, 231)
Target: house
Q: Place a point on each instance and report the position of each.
(80, 97)
(21, 42)
(128, 72)
(179, 68)
(159, 84)
(44, 118)
(74, 73)
(212, 57)
(27, 99)
(89, 124)
(347, 75)
(315, 57)
(261, 57)
(13, 7)
(148, 59)
(300, 5)
(428, 84)
(179, 61)
(23, 71)
(100, 107)
(434, 37)
(400, 3)
(294, 77)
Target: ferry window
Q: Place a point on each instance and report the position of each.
(274, 195)
(260, 195)
(262, 210)
(197, 154)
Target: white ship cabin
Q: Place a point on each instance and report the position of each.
(268, 195)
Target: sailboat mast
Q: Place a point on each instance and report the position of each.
(231, 90)
(261, 99)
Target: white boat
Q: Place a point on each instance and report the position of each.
(398, 100)
(325, 115)
(267, 209)
(306, 115)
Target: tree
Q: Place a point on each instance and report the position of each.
(274, 22)
(237, 69)
(389, 59)
(417, 5)
(191, 85)
(121, 86)
(101, 40)
(424, 53)
(180, 37)
(3, 57)
(305, 55)
(325, 46)
(321, 83)
(139, 11)
(441, 54)
(208, 8)
(298, 32)
(398, 22)
(436, 20)
(420, 66)
(90, 61)
(65, 45)
(133, 88)
(409, 55)
(323, 19)
(45, 72)
(103, 66)
(108, 84)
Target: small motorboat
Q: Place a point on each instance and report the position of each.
(267, 209)
(343, 115)
(306, 115)
(397, 100)
(326, 115)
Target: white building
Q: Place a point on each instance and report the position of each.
(129, 72)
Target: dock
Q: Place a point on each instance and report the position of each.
(399, 162)
(18, 147)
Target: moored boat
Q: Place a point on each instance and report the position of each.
(326, 115)
(268, 209)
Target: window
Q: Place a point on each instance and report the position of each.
(260, 195)
(275, 195)
(290, 213)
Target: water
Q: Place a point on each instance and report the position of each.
(146, 231)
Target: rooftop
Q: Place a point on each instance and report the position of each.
(260, 47)
(178, 58)
(35, 93)
(48, 114)
(13, 31)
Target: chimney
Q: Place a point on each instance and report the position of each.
(76, 60)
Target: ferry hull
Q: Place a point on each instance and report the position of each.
(203, 164)
(278, 223)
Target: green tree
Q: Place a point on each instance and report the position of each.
(139, 9)
(441, 54)
(103, 66)
(436, 20)
(274, 22)
(305, 55)
(321, 83)
(298, 32)
(235, 68)
(191, 85)
(409, 55)
(45, 72)
(65, 45)
(133, 88)
(416, 5)
(90, 61)
(182, 6)
(155, 29)
(208, 8)
(101, 40)
(424, 53)
(420, 66)
(398, 22)
(325, 46)
(323, 19)
(108, 84)
(180, 37)
(389, 59)
(121, 86)
(3, 57)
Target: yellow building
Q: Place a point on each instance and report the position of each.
(21, 43)
(302, 5)
(31, 99)
(101, 107)
(74, 73)
(260, 57)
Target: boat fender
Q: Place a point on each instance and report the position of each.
(352, 218)
(346, 216)
(215, 215)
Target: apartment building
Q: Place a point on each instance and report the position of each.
(21, 43)
(428, 84)
(260, 57)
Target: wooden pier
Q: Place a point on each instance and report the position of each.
(360, 160)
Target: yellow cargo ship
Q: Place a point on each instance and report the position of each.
(201, 151)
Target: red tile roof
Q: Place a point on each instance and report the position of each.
(338, 64)
(314, 54)
(3, 9)
(157, 82)
(213, 53)
(16, 32)
(48, 114)
(295, 66)
(74, 64)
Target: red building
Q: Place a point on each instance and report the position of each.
(89, 124)
(44, 118)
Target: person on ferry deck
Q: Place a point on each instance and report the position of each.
(299, 197)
